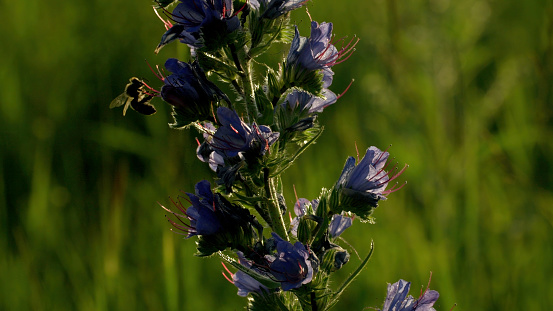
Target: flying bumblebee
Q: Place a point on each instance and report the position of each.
(137, 96)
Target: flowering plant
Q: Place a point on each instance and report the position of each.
(249, 140)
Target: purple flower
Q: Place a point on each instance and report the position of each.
(202, 215)
(304, 101)
(275, 8)
(338, 224)
(397, 299)
(365, 183)
(212, 214)
(318, 52)
(300, 208)
(190, 93)
(234, 144)
(291, 265)
(200, 23)
(245, 283)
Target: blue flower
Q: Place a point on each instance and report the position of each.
(300, 209)
(276, 8)
(338, 224)
(235, 136)
(234, 144)
(245, 283)
(318, 52)
(304, 101)
(291, 265)
(366, 182)
(190, 93)
(397, 299)
(202, 215)
(200, 23)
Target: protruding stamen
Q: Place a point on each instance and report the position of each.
(347, 88)
(165, 23)
(228, 271)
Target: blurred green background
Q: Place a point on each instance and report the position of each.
(461, 89)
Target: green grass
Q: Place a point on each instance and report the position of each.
(461, 89)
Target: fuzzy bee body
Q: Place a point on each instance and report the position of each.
(135, 96)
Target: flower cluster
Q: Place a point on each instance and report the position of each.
(397, 299)
(250, 138)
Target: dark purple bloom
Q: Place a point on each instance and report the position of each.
(190, 93)
(212, 214)
(235, 136)
(202, 215)
(200, 23)
(234, 144)
(291, 265)
(397, 299)
(275, 8)
(366, 182)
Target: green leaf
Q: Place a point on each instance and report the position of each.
(265, 108)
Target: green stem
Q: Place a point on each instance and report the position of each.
(314, 301)
(247, 84)
(274, 210)
(239, 89)
(352, 276)
(243, 64)
(257, 206)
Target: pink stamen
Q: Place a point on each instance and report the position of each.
(383, 152)
(230, 273)
(394, 189)
(242, 8)
(422, 294)
(165, 23)
(378, 173)
(170, 211)
(395, 175)
(151, 88)
(158, 74)
(346, 52)
(176, 225)
(344, 92)
(186, 235)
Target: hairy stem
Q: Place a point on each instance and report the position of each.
(274, 209)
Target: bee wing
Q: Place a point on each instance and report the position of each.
(119, 101)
